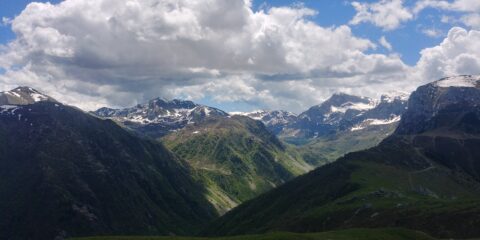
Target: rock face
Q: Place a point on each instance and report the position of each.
(426, 176)
(387, 111)
(23, 96)
(159, 117)
(329, 116)
(66, 173)
(442, 104)
(445, 116)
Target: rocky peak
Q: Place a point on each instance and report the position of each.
(338, 107)
(159, 116)
(431, 105)
(23, 96)
(171, 104)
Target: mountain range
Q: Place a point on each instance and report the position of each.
(174, 167)
(342, 124)
(159, 117)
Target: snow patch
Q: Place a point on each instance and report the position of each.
(8, 107)
(358, 127)
(354, 106)
(375, 122)
(458, 81)
(13, 93)
(384, 121)
(37, 97)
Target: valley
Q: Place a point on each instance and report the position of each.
(374, 164)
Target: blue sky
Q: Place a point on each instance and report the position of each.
(10, 9)
(211, 79)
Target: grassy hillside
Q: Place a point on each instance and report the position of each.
(357, 234)
(65, 173)
(236, 158)
(398, 184)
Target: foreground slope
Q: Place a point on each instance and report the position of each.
(65, 173)
(236, 158)
(357, 234)
(424, 177)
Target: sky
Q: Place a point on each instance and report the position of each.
(237, 55)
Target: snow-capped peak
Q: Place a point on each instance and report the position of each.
(169, 115)
(459, 81)
(23, 96)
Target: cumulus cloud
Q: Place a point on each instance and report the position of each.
(92, 53)
(387, 14)
(459, 53)
(472, 20)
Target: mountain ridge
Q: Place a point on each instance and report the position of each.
(158, 117)
(66, 173)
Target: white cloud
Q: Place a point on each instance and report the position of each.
(5, 21)
(456, 5)
(118, 53)
(109, 52)
(387, 14)
(472, 20)
(432, 32)
(459, 53)
(390, 14)
(446, 19)
(384, 42)
(471, 9)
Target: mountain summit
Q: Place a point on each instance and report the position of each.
(23, 96)
(158, 117)
(442, 104)
(275, 120)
